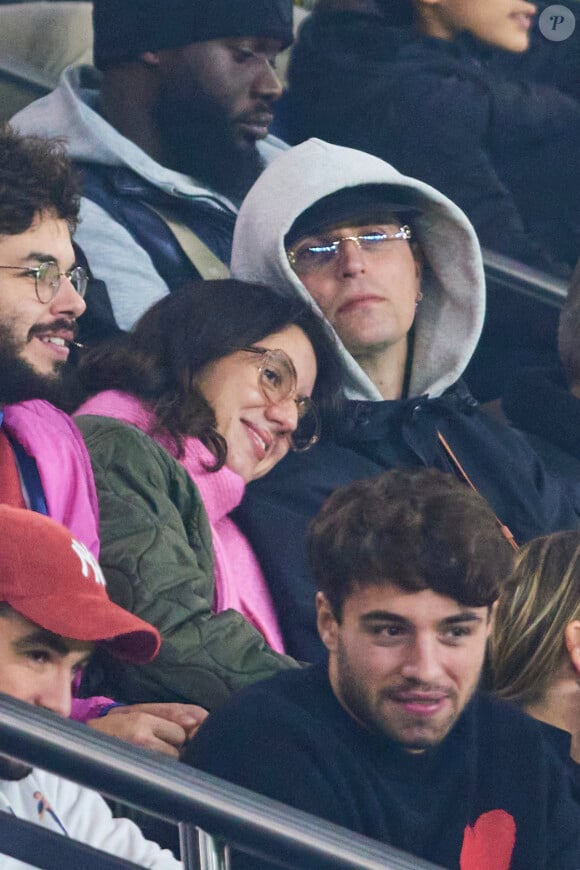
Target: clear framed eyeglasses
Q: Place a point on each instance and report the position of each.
(277, 381)
(312, 255)
(47, 279)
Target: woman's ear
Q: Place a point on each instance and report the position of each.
(572, 638)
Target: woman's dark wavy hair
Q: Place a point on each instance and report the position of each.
(35, 176)
(159, 360)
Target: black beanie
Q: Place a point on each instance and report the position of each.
(365, 203)
(124, 29)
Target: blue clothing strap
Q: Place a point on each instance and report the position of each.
(30, 476)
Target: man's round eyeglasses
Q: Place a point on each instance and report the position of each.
(48, 277)
(277, 381)
(313, 255)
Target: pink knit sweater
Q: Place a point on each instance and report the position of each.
(239, 582)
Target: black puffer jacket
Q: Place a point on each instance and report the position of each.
(373, 434)
(538, 401)
(501, 146)
(369, 438)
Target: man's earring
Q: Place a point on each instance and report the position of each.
(418, 298)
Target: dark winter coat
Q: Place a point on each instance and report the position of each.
(373, 434)
(538, 401)
(491, 796)
(371, 437)
(501, 146)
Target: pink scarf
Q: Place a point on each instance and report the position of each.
(239, 582)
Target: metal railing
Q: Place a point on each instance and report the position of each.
(177, 793)
(515, 276)
(521, 324)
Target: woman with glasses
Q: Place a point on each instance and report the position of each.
(212, 388)
(534, 651)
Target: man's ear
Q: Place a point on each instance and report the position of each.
(572, 638)
(149, 58)
(326, 622)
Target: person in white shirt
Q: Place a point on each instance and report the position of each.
(53, 609)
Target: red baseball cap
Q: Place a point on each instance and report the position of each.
(53, 580)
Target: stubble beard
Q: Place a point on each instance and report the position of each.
(199, 142)
(373, 718)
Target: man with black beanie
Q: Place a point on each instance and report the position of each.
(174, 119)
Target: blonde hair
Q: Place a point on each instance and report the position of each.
(540, 598)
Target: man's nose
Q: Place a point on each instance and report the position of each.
(56, 694)
(67, 300)
(350, 257)
(266, 83)
(422, 660)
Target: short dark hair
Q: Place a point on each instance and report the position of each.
(418, 529)
(196, 325)
(36, 176)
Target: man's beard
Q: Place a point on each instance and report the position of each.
(363, 708)
(198, 141)
(13, 770)
(19, 381)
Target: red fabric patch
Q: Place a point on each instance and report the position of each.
(489, 844)
(10, 486)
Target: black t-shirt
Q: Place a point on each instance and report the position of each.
(492, 796)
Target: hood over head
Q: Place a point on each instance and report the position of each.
(366, 203)
(450, 317)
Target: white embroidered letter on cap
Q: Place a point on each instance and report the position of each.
(87, 559)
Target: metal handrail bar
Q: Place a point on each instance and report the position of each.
(168, 789)
(523, 279)
(33, 844)
(211, 853)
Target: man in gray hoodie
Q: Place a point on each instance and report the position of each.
(175, 119)
(396, 268)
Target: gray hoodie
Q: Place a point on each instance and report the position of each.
(70, 112)
(372, 436)
(450, 317)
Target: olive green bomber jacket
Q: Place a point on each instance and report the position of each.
(156, 554)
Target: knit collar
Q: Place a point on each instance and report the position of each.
(221, 491)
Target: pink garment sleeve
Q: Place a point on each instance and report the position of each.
(84, 709)
(51, 437)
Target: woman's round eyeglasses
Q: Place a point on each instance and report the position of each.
(277, 381)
